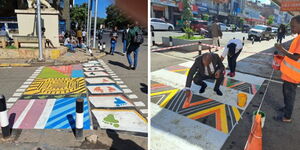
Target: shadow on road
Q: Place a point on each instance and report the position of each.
(118, 64)
(72, 123)
(144, 88)
(120, 144)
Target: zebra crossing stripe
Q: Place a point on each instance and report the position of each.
(41, 123)
(127, 91)
(139, 104)
(144, 111)
(132, 96)
(17, 94)
(12, 100)
(23, 114)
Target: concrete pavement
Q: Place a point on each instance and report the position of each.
(252, 64)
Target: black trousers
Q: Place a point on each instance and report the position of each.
(232, 61)
(289, 95)
(198, 79)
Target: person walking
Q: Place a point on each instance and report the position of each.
(79, 36)
(232, 51)
(216, 33)
(83, 36)
(125, 39)
(113, 40)
(290, 69)
(135, 39)
(206, 66)
(280, 33)
(100, 34)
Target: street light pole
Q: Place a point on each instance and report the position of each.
(39, 30)
(88, 25)
(95, 23)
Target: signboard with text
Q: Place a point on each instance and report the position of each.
(290, 6)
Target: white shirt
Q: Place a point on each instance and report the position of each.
(239, 46)
(83, 33)
(211, 69)
(67, 41)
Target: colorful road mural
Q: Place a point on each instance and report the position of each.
(47, 100)
(214, 114)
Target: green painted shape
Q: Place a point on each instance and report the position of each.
(27, 97)
(110, 119)
(50, 73)
(42, 97)
(59, 96)
(75, 95)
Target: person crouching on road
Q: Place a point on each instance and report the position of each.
(290, 69)
(113, 41)
(206, 66)
(232, 50)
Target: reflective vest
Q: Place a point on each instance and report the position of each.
(289, 67)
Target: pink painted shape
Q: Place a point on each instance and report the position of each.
(77, 67)
(17, 110)
(63, 69)
(33, 114)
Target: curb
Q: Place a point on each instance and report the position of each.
(37, 64)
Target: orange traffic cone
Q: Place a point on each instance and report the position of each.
(254, 141)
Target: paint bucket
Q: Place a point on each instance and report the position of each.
(242, 99)
(277, 61)
(263, 117)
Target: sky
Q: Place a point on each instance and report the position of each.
(265, 1)
(102, 4)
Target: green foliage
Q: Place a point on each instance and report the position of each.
(79, 13)
(270, 20)
(205, 17)
(184, 37)
(187, 13)
(116, 18)
(189, 33)
(11, 47)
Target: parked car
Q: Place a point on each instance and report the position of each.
(159, 24)
(228, 27)
(222, 26)
(246, 28)
(260, 32)
(199, 25)
(274, 32)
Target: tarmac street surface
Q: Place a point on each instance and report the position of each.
(45, 98)
(212, 122)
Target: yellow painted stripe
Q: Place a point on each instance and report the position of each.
(224, 119)
(171, 94)
(203, 112)
(187, 72)
(236, 113)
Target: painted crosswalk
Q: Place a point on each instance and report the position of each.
(213, 113)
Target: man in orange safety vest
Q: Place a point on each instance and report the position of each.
(290, 69)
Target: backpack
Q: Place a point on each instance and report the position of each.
(138, 38)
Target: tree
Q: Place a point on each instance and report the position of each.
(187, 13)
(270, 20)
(115, 17)
(79, 14)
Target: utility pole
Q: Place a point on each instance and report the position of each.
(39, 30)
(95, 23)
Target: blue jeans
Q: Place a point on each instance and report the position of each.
(113, 46)
(70, 46)
(135, 50)
(124, 46)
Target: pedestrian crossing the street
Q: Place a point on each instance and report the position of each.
(217, 115)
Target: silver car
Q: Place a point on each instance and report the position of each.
(260, 32)
(159, 24)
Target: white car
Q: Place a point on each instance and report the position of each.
(222, 26)
(159, 24)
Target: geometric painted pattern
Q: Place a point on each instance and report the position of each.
(47, 114)
(56, 86)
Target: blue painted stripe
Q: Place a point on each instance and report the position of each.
(61, 118)
(60, 112)
(77, 74)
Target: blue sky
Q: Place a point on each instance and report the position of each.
(102, 4)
